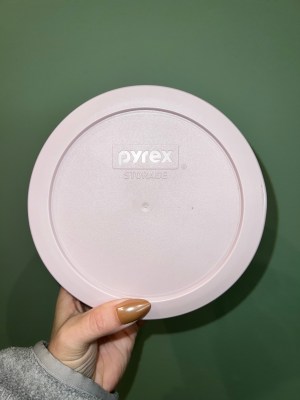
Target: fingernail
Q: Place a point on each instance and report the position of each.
(132, 310)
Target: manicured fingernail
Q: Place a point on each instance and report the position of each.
(132, 310)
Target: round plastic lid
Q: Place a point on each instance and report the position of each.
(147, 192)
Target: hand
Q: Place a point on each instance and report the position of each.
(95, 341)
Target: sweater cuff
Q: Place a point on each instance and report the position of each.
(68, 376)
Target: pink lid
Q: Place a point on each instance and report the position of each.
(147, 192)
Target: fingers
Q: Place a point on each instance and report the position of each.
(65, 308)
(107, 319)
(75, 338)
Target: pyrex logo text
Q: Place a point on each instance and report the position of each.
(145, 156)
(154, 156)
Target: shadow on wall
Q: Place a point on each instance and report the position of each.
(225, 303)
(31, 305)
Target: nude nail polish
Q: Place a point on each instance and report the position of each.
(132, 310)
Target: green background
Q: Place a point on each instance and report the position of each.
(241, 56)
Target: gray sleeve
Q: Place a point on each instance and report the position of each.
(33, 374)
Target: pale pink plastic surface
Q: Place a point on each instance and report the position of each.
(176, 218)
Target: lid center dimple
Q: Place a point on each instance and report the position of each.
(145, 207)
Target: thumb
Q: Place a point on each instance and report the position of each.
(107, 319)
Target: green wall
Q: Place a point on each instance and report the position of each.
(241, 56)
